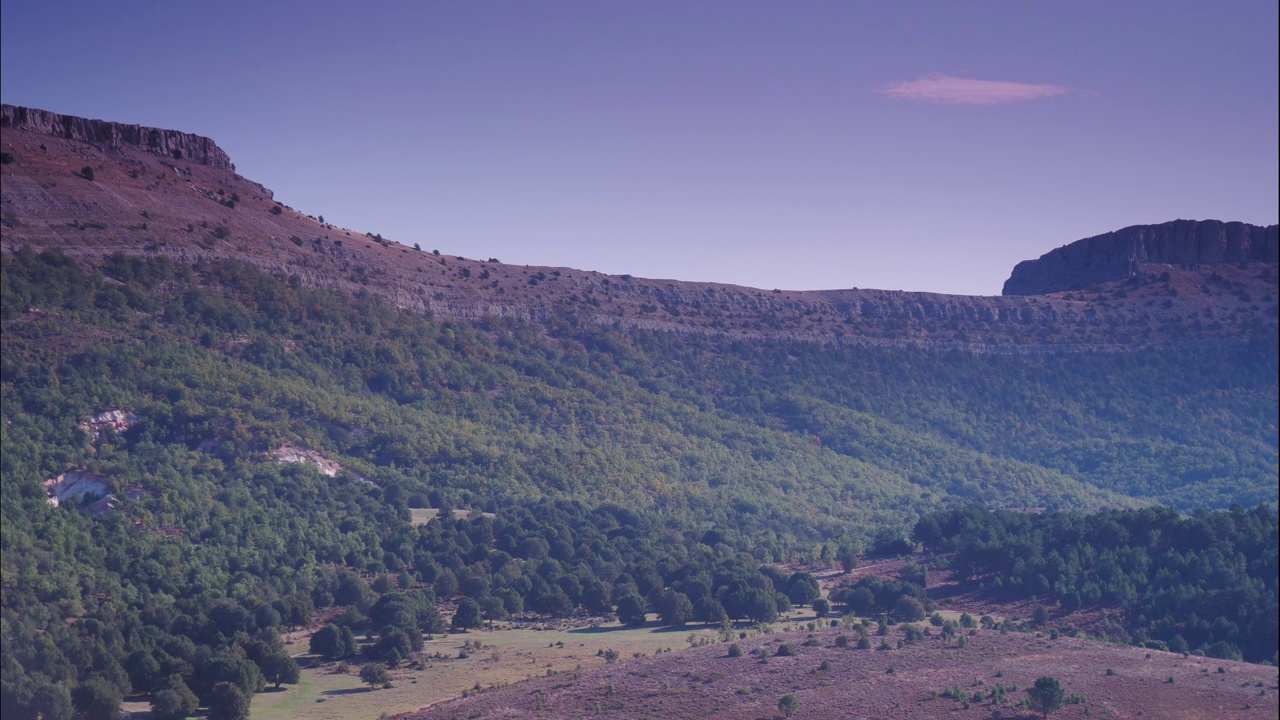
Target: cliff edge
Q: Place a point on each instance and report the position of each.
(169, 143)
(1117, 255)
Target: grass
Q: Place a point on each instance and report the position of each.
(509, 655)
(422, 516)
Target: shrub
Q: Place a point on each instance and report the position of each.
(735, 650)
(788, 705)
(86, 172)
(375, 675)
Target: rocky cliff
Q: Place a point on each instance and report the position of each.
(1118, 255)
(169, 143)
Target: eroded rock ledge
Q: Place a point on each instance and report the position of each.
(1117, 255)
(169, 143)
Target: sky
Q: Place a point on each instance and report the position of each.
(922, 146)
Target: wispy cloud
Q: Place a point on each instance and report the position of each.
(965, 91)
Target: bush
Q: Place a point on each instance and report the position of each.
(86, 172)
(821, 607)
(375, 675)
(735, 650)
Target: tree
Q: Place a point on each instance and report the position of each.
(908, 609)
(631, 609)
(52, 701)
(173, 700)
(279, 668)
(329, 643)
(788, 705)
(1045, 695)
(144, 671)
(710, 611)
(802, 588)
(821, 607)
(375, 675)
(244, 674)
(468, 615)
(227, 702)
(848, 558)
(675, 608)
(98, 699)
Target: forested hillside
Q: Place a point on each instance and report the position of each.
(272, 440)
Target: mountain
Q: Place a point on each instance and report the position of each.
(223, 419)
(160, 192)
(1189, 304)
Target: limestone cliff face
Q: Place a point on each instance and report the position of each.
(1117, 255)
(169, 143)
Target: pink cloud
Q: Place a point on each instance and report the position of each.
(963, 91)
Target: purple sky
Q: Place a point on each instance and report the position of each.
(915, 146)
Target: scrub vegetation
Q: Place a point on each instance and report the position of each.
(281, 437)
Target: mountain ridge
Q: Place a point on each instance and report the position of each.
(144, 201)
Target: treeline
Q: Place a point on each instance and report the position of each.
(1204, 583)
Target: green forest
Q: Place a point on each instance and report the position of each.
(605, 470)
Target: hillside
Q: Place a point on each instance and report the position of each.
(143, 199)
(924, 678)
(225, 421)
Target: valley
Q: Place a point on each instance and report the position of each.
(242, 446)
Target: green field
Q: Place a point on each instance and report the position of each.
(508, 654)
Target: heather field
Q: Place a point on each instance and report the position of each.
(929, 678)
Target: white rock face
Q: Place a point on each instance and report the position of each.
(74, 484)
(118, 420)
(289, 454)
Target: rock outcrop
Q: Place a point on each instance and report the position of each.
(169, 143)
(1118, 255)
